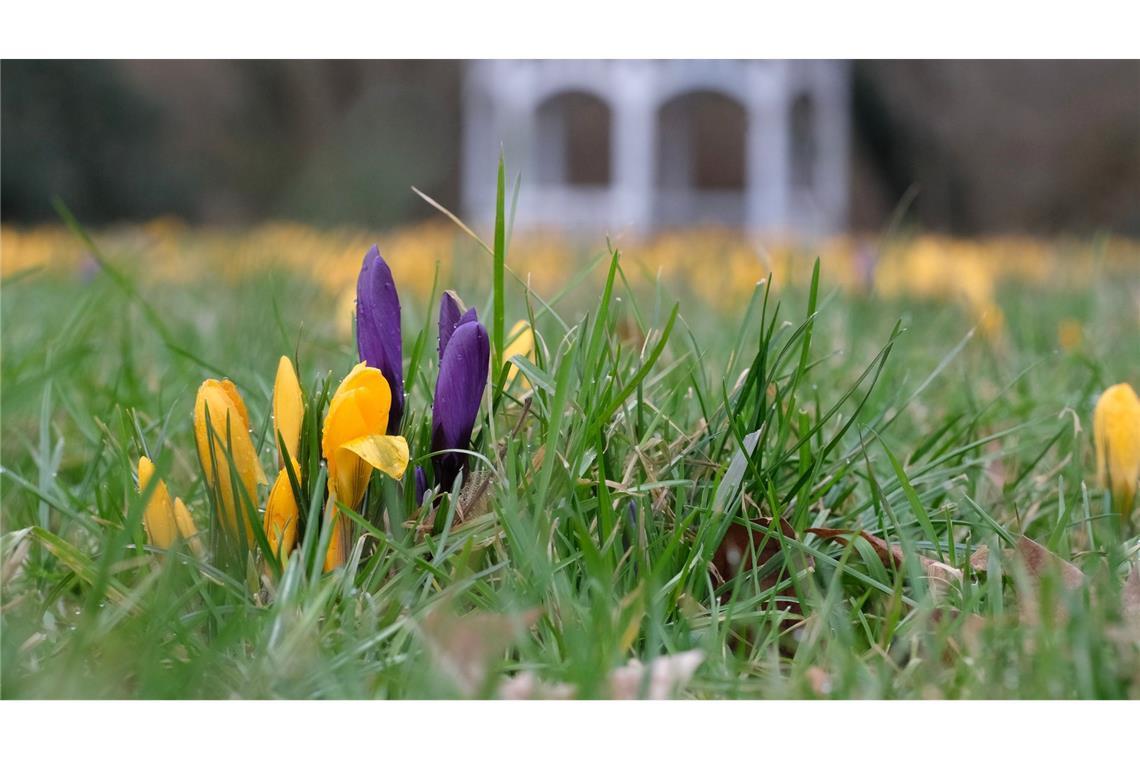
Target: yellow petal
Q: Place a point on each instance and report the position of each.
(337, 553)
(1116, 435)
(230, 429)
(186, 527)
(387, 453)
(358, 409)
(158, 517)
(281, 515)
(288, 409)
(521, 344)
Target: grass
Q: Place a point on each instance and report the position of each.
(657, 431)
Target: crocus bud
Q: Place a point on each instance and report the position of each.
(165, 521)
(288, 411)
(354, 439)
(421, 485)
(452, 314)
(1116, 433)
(337, 553)
(281, 514)
(458, 393)
(225, 438)
(378, 337)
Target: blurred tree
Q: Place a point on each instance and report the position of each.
(79, 131)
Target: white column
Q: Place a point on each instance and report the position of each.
(632, 146)
(833, 134)
(769, 147)
(479, 142)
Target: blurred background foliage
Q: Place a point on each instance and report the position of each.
(980, 146)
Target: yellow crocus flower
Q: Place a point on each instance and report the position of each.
(521, 344)
(281, 514)
(337, 553)
(354, 441)
(229, 427)
(165, 521)
(1116, 433)
(288, 410)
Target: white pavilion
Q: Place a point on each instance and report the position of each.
(644, 145)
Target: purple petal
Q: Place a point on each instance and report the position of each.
(450, 309)
(378, 337)
(420, 485)
(458, 395)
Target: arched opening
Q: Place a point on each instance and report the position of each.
(804, 148)
(573, 140)
(701, 159)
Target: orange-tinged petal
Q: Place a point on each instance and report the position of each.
(158, 516)
(281, 515)
(186, 527)
(1116, 434)
(229, 422)
(288, 409)
(337, 553)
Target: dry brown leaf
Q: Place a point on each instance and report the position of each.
(1038, 561)
(980, 559)
(528, 686)
(743, 550)
(819, 681)
(463, 646)
(662, 678)
(940, 575)
(967, 639)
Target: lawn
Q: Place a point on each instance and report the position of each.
(716, 475)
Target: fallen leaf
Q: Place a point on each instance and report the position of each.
(528, 686)
(1039, 561)
(743, 549)
(662, 678)
(940, 575)
(819, 681)
(463, 646)
(980, 559)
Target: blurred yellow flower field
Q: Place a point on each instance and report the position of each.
(720, 265)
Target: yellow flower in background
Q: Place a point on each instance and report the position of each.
(165, 521)
(991, 320)
(281, 514)
(227, 436)
(1069, 334)
(1116, 432)
(288, 411)
(354, 441)
(521, 343)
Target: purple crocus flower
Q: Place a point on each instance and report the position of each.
(378, 338)
(421, 485)
(464, 356)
